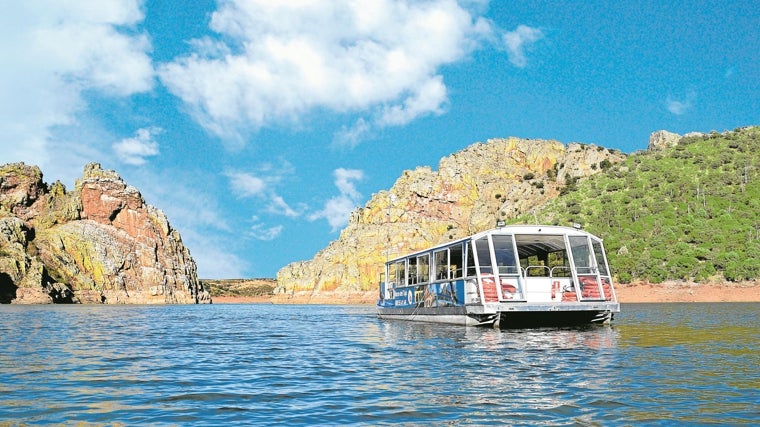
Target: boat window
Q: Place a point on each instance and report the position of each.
(543, 256)
(441, 263)
(392, 274)
(456, 261)
(599, 254)
(504, 250)
(470, 260)
(423, 268)
(581, 254)
(484, 255)
(400, 276)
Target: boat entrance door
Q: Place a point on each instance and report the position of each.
(498, 269)
(546, 267)
(592, 273)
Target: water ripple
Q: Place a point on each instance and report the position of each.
(323, 365)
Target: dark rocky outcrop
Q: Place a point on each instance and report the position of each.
(100, 243)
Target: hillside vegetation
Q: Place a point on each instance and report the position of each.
(685, 212)
(239, 287)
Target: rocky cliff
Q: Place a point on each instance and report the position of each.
(471, 189)
(100, 243)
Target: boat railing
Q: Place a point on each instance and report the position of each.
(537, 271)
(539, 283)
(545, 271)
(508, 270)
(546, 284)
(506, 286)
(533, 283)
(561, 271)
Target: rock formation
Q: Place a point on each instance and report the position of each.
(100, 243)
(472, 188)
(662, 139)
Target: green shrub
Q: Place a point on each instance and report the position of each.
(689, 212)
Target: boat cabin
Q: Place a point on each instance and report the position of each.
(538, 267)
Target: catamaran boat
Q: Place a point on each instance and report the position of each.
(508, 277)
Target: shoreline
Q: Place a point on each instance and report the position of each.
(688, 292)
(641, 292)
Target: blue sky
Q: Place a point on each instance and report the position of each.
(257, 126)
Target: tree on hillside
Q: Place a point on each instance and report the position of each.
(689, 212)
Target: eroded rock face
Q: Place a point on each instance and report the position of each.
(662, 139)
(98, 244)
(499, 179)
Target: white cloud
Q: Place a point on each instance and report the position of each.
(52, 53)
(352, 136)
(344, 180)
(133, 151)
(278, 206)
(261, 232)
(518, 40)
(428, 99)
(280, 60)
(680, 106)
(246, 185)
(338, 209)
(677, 107)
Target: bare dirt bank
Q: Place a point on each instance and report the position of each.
(628, 293)
(689, 292)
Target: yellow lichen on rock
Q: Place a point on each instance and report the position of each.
(499, 179)
(100, 243)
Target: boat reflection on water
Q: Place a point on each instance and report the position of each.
(588, 336)
(535, 374)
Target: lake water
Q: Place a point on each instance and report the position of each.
(658, 364)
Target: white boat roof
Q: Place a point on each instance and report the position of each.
(510, 230)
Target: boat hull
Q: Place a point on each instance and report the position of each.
(447, 315)
(559, 318)
(507, 316)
